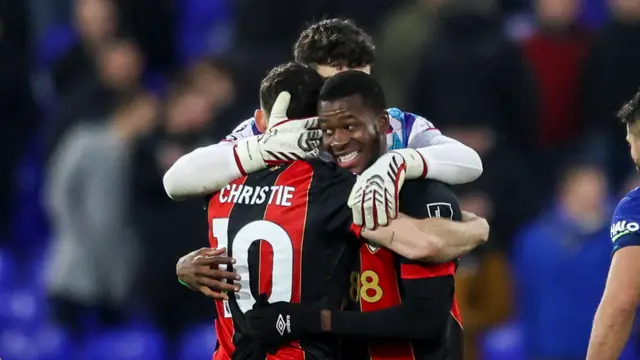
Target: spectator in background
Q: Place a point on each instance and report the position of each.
(118, 66)
(506, 196)
(94, 251)
(405, 30)
(471, 72)
(611, 74)
(168, 229)
(556, 53)
(96, 22)
(484, 287)
(507, 187)
(561, 262)
(213, 78)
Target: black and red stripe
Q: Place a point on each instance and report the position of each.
(224, 326)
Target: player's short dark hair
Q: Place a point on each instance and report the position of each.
(335, 42)
(354, 82)
(630, 112)
(302, 82)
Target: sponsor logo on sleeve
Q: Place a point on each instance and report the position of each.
(623, 227)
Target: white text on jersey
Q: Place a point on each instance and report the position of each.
(621, 228)
(250, 195)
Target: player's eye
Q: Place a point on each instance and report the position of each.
(351, 127)
(327, 132)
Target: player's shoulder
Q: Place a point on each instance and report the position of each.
(629, 206)
(321, 170)
(245, 129)
(429, 198)
(626, 221)
(428, 187)
(408, 120)
(405, 127)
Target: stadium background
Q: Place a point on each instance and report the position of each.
(533, 86)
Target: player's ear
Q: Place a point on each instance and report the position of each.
(261, 120)
(383, 122)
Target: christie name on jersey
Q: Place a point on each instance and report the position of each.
(255, 195)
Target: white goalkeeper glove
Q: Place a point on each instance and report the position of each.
(375, 196)
(284, 141)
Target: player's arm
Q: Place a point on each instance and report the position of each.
(202, 171)
(430, 235)
(209, 169)
(446, 159)
(431, 240)
(616, 312)
(423, 314)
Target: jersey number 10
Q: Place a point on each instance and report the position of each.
(280, 241)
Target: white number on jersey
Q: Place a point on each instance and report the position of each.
(282, 272)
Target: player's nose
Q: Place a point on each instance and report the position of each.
(341, 136)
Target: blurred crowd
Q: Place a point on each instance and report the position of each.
(100, 97)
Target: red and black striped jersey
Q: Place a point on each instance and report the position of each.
(288, 227)
(381, 279)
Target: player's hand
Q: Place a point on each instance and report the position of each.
(200, 271)
(374, 198)
(479, 225)
(285, 140)
(282, 321)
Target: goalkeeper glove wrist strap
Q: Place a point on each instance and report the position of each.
(248, 157)
(416, 163)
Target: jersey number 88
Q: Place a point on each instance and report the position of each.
(365, 286)
(280, 241)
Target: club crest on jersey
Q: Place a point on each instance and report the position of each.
(440, 210)
(622, 228)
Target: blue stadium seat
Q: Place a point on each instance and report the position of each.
(47, 343)
(133, 343)
(20, 309)
(53, 344)
(504, 342)
(7, 269)
(198, 343)
(16, 345)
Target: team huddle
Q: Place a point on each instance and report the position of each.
(323, 250)
(321, 263)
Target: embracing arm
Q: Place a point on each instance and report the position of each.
(209, 169)
(423, 314)
(430, 240)
(201, 172)
(445, 159)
